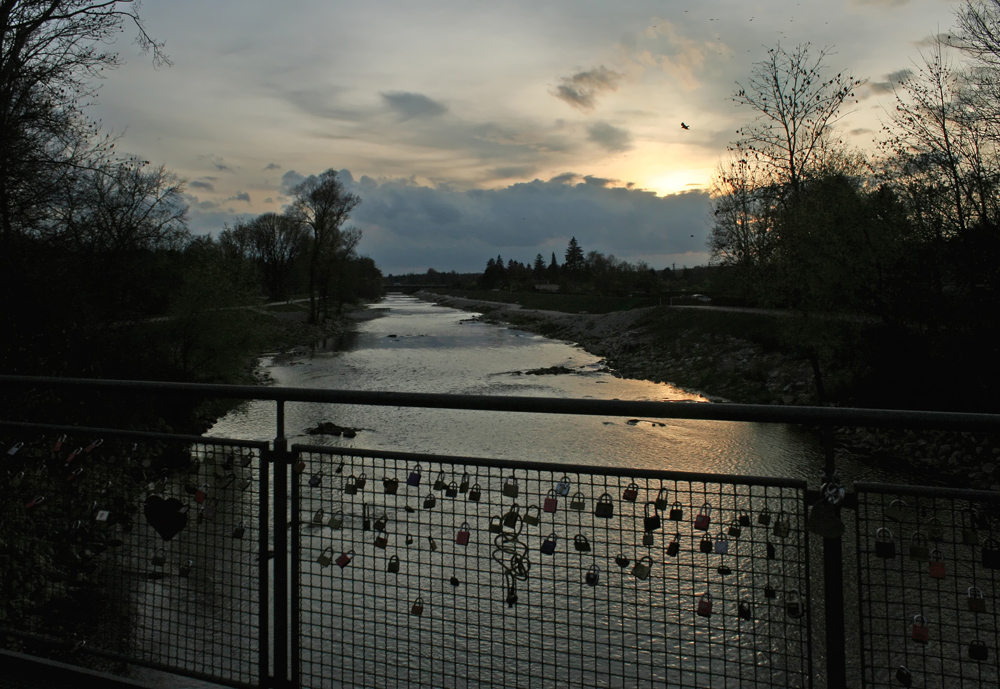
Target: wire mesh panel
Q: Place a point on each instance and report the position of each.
(453, 572)
(928, 561)
(136, 550)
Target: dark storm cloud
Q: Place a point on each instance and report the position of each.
(207, 186)
(240, 196)
(582, 89)
(410, 105)
(609, 137)
(289, 180)
(407, 226)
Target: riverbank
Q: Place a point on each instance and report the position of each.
(703, 351)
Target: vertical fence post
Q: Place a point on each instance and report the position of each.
(280, 550)
(833, 589)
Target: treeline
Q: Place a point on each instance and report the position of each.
(591, 273)
(892, 258)
(100, 275)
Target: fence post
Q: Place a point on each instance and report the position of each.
(833, 586)
(280, 609)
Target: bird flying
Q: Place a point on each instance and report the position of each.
(684, 126)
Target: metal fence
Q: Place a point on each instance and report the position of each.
(255, 564)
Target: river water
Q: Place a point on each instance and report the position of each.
(421, 347)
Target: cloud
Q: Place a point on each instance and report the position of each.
(289, 180)
(240, 196)
(610, 137)
(207, 186)
(582, 89)
(410, 105)
(407, 226)
(272, 166)
(891, 80)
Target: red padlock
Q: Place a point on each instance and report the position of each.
(463, 534)
(551, 502)
(920, 632)
(705, 605)
(345, 559)
(94, 445)
(936, 567)
(73, 454)
(200, 494)
(631, 493)
(59, 443)
(704, 518)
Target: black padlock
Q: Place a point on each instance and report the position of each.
(885, 547)
(991, 553)
(706, 545)
(904, 676)
(769, 592)
(772, 553)
(676, 512)
(674, 547)
(978, 650)
(744, 519)
(744, 610)
(651, 522)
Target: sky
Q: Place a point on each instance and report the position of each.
(474, 129)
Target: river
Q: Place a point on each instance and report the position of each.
(421, 347)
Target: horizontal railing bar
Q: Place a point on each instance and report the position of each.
(557, 467)
(135, 435)
(887, 418)
(928, 491)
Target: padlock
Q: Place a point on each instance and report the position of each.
(978, 650)
(904, 676)
(414, 478)
(562, 488)
(651, 522)
(531, 515)
(661, 500)
(463, 534)
(463, 487)
(936, 566)
(744, 519)
(896, 511)
(381, 522)
(735, 529)
(920, 632)
(14, 448)
(706, 545)
(102, 515)
(764, 518)
(578, 502)
(593, 575)
(239, 530)
(648, 539)
(409, 539)
(977, 601)
(549, 544)
(454, 581)
(705, 605)
(676, 512)
(704, 518)
(159, 558)
(772, 553)
(318, 517)
(201, 494)
(496, 525)
(581, 543)
(475, 493)
(362, 480)
(366, 522)
(510, 487)
(345, 559)
(744, 610)
(351, 485)
(793, 604)
(721, 544)
(675, 546)
(935, 531)
(643, 567)
(390, 485)
(919, 550)
(430, 501)
(621, 560)
(381, 541)
(74, 474)
(782, 527)
(432, 544)
(451, 491)
(723, 569)
(59, 443)
(440, 483)
(94, 445)
(393, 565)
(325, 557)
(991, 553)
(969, 534)
(336, 520)
(418, 607)
(185, 569)
(74, 454)
(885, 547)
(769, 592)
(245, 460)
(631, 493)
(299, 467)
(605, 507)
(512, 517)
(243, 484)
(551, 502)
(315, 480)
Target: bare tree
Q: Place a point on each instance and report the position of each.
(278, 241)
(796, 110)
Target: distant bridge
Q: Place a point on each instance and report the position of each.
(410, 289)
